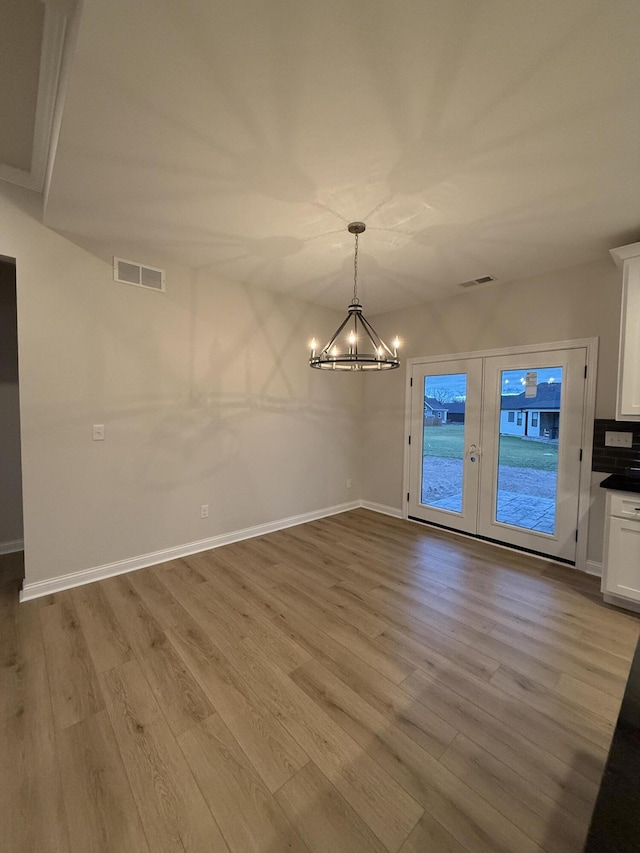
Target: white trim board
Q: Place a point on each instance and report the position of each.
(51, 54)
(592, 567)
(394, 512)
(11, 546)
(46, 587)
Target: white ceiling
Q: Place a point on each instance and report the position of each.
(474, 137)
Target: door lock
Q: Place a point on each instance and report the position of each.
(474, 453)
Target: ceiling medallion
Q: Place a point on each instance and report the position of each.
(355, 345)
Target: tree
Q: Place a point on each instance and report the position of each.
(442, 395)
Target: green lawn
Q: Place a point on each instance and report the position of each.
(447, 442)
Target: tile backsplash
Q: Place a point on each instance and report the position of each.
(615, 460)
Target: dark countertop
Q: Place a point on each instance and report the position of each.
(615, 823)
(621, 483)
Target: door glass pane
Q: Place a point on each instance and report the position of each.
(528, 448)
(443, 441)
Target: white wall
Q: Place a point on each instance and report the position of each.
(508, 427)
(574, 303)
(10, 473)
(534, 431)
(204, 392)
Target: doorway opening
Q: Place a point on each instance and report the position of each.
(11, 524)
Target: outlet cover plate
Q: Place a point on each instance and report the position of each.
(618, 439)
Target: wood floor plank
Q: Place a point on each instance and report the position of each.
(174, 814)
(580, 609)
(101, 811)
(31, 798)
(605, 672)
(107, 644)
(547, 772)
(441, 651)
(323, 817)
(228, 617)
(183, 569)
(305, 558)
(157, 599)
(427, 729)
(395, 669)
(10, 657)
(283, 651)
(220, 626)
(467, 816)
(536, 814)
(182, 699)
(531, 724)
(597, 701)
(433, 628)
(141, 629)
(383, 804)
(75, 693)
(249, 817)
(578, 719)
(536, 623)
(270, 748)
(422, 605)
(345, 606)
(429, 835)
(261, 598)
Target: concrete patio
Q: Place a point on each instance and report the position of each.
(520, 510)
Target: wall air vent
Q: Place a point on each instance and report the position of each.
(474, 281)
(129, 272)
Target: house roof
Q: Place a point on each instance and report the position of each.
(435, 404)
(455, 408)
(547, 398)
(223, 136)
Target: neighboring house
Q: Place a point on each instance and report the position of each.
(434, 412)
(455, 412)
(534, 417)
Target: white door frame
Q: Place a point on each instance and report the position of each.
(584, 499)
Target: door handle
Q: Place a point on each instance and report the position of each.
(474, 452)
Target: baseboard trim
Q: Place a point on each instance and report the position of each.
(591, 567)
(624, 603)
(11, 546)
(47, 587)
(393, 511)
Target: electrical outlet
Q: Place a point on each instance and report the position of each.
(98, 432)
(204, 511)
(618, 439)
(349, 483)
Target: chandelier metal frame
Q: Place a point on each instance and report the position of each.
(364, 348)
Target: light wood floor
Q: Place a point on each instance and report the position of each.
(354, 684)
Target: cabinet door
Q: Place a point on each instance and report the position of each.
(623, 559)
(628, 407)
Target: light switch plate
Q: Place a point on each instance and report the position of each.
(618, 439)
(98, 432)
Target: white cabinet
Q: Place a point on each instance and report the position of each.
(621, 574)
(628, 399)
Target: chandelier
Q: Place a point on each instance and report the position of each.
(355, 345)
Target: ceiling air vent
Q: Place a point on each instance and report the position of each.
(128, 272)
(482, 280)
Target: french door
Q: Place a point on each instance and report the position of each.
(496, 447)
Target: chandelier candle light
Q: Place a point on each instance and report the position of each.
(360, 347)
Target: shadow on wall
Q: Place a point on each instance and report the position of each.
(208, 372)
